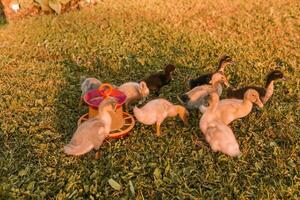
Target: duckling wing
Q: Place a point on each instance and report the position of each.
(198, 92)
(232, 105)
(145, 115)
(200, 80)
(151, 112)
(221, 138)
(155, 81)
(239, 93)
(84, 138)
(77, 150)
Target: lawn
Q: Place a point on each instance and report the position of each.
(43, 58)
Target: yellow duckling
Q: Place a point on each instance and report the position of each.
(91, 133)
(134, 91)
(157, 110)
(229, 110)
(219, 136)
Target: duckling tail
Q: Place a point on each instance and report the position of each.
(138, 114)
(77, 150)
(183, 114)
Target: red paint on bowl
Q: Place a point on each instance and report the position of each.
(94, 97)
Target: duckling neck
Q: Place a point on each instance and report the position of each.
(246, 107)
(105, 117)
(213, 106)
(168, 76)
(217, 87)
(222, 67)
(269, 91)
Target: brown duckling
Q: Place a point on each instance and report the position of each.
(199, 95)
(219, 136)
(265, 93)
(134, 91)
(91, 133)
(157, 110)
(229, 110)
(158, 80)
(206, 78)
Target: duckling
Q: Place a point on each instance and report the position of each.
(157, 110)
(199, 95)
(88, 84)
(206, 78)
(91, 133)
(229, 110)
(158, 80)
(219, 136)
(264, 93)
(134, 91)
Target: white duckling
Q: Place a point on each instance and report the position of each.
(134, 91)
(157, 110)
(219, 136)
(199, 95)
(88, 84)
(229, 110)
(91, 133)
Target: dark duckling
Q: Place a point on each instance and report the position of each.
(156, 81)
(265, 93)
(206, 78)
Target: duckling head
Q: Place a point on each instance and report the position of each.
(144, 90)
(253, 96)
(224, 61)
(107, 105)
(169, 68)
(274, 75)
(88, 84)
(183, 114)
(219, 78)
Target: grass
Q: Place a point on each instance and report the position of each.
(41, 62)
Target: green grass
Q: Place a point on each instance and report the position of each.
(42, 59)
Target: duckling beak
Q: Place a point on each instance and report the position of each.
(179, 99)
(183, 114)
(259, 103)
(233, 62)
(227, 83)
(115, 108)
(184, 118)
(284, 79)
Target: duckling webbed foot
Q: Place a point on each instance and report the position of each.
(97, 155)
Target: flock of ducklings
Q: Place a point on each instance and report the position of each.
(204, 95)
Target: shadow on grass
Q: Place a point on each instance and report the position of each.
(67, 107)
(2, 15)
